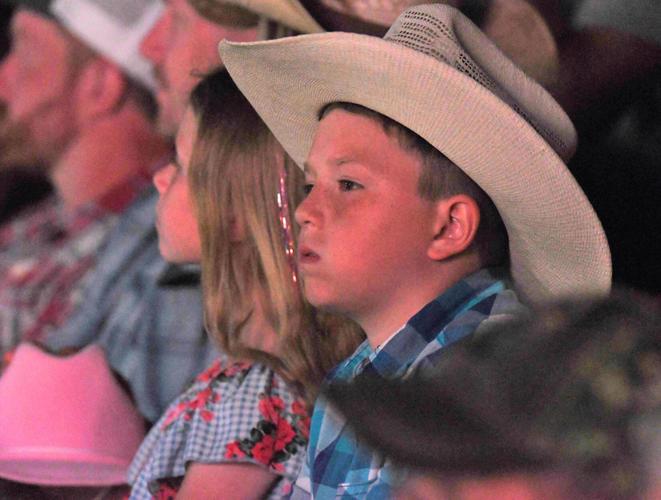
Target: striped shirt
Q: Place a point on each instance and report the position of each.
(45, 255)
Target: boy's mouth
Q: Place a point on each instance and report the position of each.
(307, 256)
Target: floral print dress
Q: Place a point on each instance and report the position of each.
(233, 412)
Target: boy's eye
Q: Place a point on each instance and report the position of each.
(346, 185)
(307, 189)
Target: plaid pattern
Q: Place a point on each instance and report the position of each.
(338, 466)
(45, 255)
(151, 330)
(222, 407)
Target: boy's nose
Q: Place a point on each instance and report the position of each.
(308, 211)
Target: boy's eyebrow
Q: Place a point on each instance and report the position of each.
(337, 162)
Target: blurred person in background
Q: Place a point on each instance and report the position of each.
(565, 405)
(79, 105)
(147, 313)
(19, 187)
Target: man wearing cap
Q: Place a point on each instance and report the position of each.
(145, 313)
(80, 102)
(438, 198)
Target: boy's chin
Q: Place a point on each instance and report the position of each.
(323, 302)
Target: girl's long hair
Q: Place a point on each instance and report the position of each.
(235, 170)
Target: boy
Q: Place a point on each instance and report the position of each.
(445, 169)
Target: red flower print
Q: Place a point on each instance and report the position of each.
(202, 398)
(206, 415)
(263, 450)
(298, 408)
(286, 488)
(284, 435)
(174, 414)
(237, 367)
(234, 450)
(271, 407)
(210, 373)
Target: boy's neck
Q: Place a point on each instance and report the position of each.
(382, 322)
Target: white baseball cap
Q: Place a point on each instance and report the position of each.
(114, 28)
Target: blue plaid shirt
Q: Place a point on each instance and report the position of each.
(150, 327)
(337, 465)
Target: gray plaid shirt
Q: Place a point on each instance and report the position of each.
(151, 331)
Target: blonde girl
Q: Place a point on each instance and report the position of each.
(241, 429)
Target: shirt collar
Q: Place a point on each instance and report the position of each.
(476, 291)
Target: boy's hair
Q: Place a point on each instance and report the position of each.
(236, 166)
(441, 178)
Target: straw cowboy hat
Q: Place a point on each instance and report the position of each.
(515, 26)
(65, 421)
(436, 73)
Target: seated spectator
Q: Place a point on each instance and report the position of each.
(567, 405)
(144, 312)
(79, 102)
(69, 430)
(240, 430)
(438, 199)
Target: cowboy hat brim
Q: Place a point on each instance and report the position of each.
(290, 13)
(557, 244)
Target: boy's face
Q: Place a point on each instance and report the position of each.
(178, 234)
(364, 228)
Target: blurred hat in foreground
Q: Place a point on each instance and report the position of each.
(565, 390)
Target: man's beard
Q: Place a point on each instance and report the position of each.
(16, 148)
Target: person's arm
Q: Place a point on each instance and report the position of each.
(226, 481)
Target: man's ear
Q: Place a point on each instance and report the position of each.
(100, 89)
(456, 223)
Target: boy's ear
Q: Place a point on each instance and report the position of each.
(456, 223)
(100, 89)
